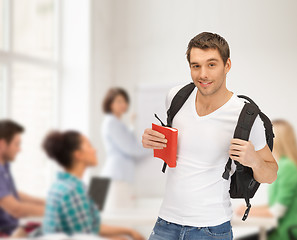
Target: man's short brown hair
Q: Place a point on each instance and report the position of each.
(8, 129)
(207, 40)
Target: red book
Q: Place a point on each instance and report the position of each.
(167, 154)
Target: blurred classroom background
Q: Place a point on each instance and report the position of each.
(58, 58)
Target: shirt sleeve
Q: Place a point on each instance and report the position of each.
(4, 189)
(278, 210)
(257, 135)
(125, 140)
(287, 184)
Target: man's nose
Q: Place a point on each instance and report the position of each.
(203, 73)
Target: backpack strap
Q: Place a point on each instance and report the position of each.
(178, 101)
(176, 104)
(267, 124)
(266, 121)
(243, 128)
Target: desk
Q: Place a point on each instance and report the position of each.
(144, 216)
(262, 223)
(131, 217)
(147, 217)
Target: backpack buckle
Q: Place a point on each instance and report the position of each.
(247, 211)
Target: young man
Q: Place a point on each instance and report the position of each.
(13, 204)
(197, 201)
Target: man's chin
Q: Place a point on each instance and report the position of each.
(205, 92)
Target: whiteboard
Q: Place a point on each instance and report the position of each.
(149, 179)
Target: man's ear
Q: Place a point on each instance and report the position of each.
(227, 65)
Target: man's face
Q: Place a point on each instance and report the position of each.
(208, 70)
(10, 150)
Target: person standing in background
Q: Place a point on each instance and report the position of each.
(282, 193)
(123, 149)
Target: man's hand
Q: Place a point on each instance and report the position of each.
(262, 162)
(135, 235)
(153, 139)
(243, 152)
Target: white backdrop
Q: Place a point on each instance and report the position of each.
(146, 41)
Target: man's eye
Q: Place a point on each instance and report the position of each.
(211, 64)
(196, 66)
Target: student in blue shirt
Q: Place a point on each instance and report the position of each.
(13, 203)
(69, 210)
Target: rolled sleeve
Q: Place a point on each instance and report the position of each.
(257, 135)
(4, 188)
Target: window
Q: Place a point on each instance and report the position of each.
(2, 92)
(1, 23)
(29, 77)
(33, 27)
(33, 105)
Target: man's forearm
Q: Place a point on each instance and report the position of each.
(30, 199)
(264, 171)
(28, 210)
(106, 230)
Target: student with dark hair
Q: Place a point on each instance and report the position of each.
(13, 204)
(69, 210)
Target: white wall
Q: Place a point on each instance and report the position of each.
(75, 56)
(147, 41)
(151, 37)
(101, 70)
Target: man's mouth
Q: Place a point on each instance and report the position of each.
(205, 84)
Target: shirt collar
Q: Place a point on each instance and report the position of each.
(4, 167)
(70, 177)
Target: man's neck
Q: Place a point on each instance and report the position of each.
(2, 162)
(210, 103)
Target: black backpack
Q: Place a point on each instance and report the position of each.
(243, 184)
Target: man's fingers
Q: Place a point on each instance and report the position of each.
(153, 139)
(154, 133)
(236, 147)
(238, 141)
(234, 153)
(235, 158)
(156, 139)
(152, 144)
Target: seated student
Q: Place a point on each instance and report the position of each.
(68, 208)
(283, 192)
(13, 204)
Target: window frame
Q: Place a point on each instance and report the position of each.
(9, 57)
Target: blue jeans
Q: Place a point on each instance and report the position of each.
(164, 230)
